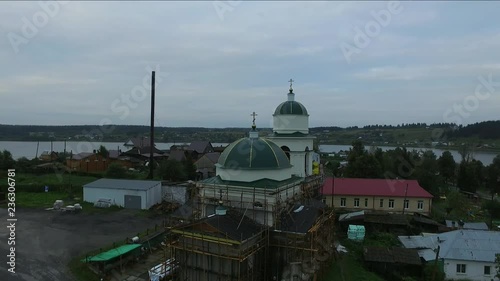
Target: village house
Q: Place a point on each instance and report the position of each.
(463, 254)
(205, 166)
(199, 148)
(394, 196)
(48, 156)
(90, 162)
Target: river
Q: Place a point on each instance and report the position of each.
(29, 149)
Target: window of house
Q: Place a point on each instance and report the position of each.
(461, 268)
(407, 204)
(356, 202)
(487, 270)
(420, 204)
(381, 203)
(342, 202)
(391, 203)
(366, 202)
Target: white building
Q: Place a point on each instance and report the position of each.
(132, 194)
(264, 176)
(463, 254)
(291, 134)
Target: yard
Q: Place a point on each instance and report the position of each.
(47, 241)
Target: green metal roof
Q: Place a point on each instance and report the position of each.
(262, 183)
(291, 108)
(293, 135)
(113, 253)
(253, 153)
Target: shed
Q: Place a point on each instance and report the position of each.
(131, 194)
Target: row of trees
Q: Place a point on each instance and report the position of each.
(167, 170)
(430, 171)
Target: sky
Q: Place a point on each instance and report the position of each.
(216, 62)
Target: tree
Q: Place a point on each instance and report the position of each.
(116, 171)
(189, 168)
(24, 165)
(6, 160)
(426, 172)
(171, 170)
(493, 176)
(447, 166)
(103, 151)
(470, 175)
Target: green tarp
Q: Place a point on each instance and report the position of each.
(113, 253)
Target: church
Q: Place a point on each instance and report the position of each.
(261, 216)
(260, 175)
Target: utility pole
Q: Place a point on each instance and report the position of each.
(152, 134)
(404, 201)
(435, 264)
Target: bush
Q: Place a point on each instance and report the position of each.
(493, 207)
(430, 270)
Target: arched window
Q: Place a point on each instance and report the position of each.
(286, 149)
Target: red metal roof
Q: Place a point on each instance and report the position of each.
(374, 187)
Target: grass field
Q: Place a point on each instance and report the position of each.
(53, 179)
(349, 269)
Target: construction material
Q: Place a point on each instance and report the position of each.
(356, 232)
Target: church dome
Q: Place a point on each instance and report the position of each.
(253, 153)
(291, 108)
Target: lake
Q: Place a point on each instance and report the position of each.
(29, 149)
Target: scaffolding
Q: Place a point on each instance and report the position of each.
(203, 252)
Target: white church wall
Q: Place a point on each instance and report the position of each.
(287, 124)
(253, 175)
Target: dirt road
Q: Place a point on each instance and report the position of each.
(46, 241)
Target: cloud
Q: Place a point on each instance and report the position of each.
(92, 53)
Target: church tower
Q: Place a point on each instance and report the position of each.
(291, 133)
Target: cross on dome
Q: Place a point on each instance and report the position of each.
(253, 122)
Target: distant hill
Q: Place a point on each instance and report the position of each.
(484, 130)
(415, 134)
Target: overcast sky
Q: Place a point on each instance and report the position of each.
(85, 62)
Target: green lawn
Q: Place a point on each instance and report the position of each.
(40, 200)
(53, 179)
(349, 269)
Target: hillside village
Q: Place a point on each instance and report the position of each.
(271, 207)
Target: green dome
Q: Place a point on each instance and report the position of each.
(253, 153)
(291, 108)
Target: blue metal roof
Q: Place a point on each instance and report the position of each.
(468, 245)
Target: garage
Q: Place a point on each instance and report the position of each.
(130, 194)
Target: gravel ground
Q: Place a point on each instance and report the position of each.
(47, 240)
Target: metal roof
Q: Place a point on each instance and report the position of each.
(122, 184)
(374, 187)
(349, 216)
(250, 153)
(468, 225)
(469, 245)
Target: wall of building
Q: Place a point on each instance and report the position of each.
(253, 175)
(210, 266)
(373, 203)
(286, 124)
(298, 155)
(117, 196)
(154, 195)
(243, 198)
(474, 270)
